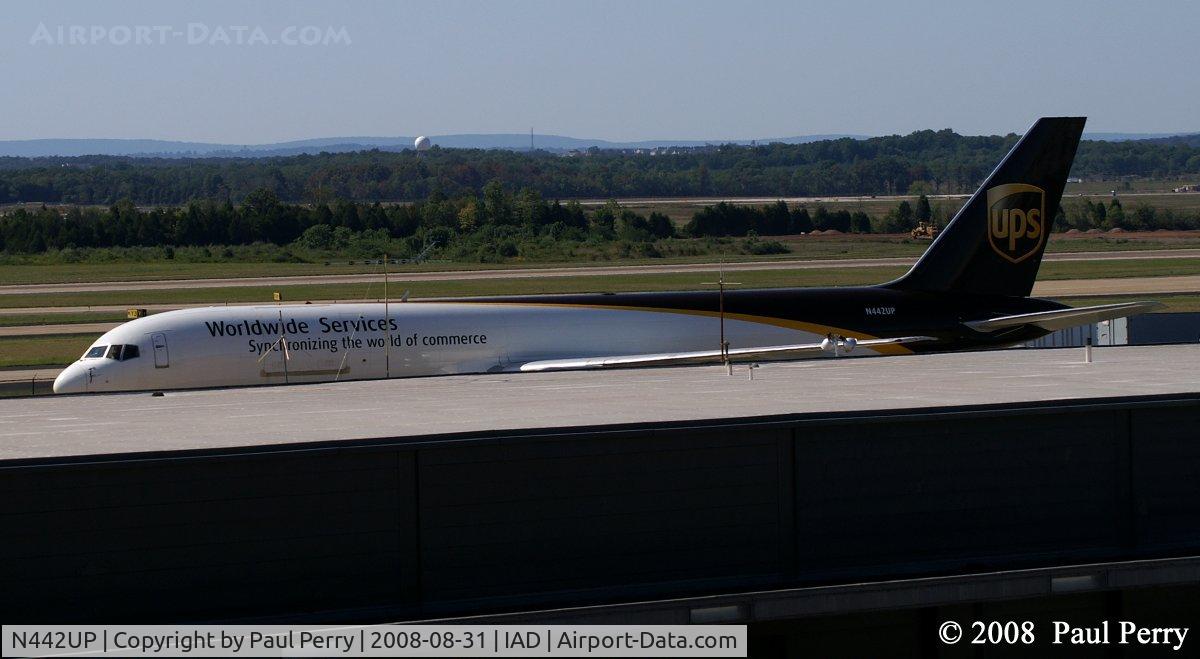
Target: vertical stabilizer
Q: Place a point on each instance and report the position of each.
(994, 245)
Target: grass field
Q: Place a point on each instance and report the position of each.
(803, 247)
(1123, 187)
(1171, 301)
(1118, 269)
(576, 284)
(52, 350)
(1174, 201)
(353, 292)
(60, 318)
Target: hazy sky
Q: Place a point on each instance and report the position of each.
(612, 70)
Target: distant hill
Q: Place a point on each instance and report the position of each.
(1192, 140)
(1129, 137)
(510, 141)
(939, 161)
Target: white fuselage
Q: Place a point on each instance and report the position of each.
(233, 346)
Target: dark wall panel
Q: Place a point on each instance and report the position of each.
(472, 525)
(1166, 477)
(915, 495)
(521, 518)
(208, 537)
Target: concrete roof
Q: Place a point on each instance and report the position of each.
(107, 425)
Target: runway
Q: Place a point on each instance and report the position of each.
(710, 201)
(574, 271)
(46, 330)
(1117, 286)
(45, 373)
(1052, 288)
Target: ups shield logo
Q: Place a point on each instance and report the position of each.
(1016, 220)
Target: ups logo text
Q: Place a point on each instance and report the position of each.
(1016, 220)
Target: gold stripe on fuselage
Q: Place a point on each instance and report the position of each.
(814, 328)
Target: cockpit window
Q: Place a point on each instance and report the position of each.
(116, 352)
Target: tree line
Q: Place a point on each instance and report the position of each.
(922, 162)
(778, 218)
(492, 226)
(481, 227)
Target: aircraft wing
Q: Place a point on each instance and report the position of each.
(793, 351)
(1063, 318)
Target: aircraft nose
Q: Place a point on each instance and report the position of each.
(70, 381)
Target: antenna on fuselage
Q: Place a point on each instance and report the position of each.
(720, 283)
(387, 324)
(287, 356)
(280, 345)
(346, 353)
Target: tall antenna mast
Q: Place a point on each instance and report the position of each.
(283, 344)
(531, 139)
(721, 284)
(387, 323)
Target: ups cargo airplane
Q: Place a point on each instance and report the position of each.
(970, 290)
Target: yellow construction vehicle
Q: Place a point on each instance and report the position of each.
(925, 230)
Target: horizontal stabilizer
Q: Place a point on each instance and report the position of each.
(794, 351)
(1064, 318)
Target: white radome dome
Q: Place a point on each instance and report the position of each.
(422, 143)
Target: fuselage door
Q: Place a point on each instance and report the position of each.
(162, 359)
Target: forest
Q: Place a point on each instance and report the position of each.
(494, 226)
(929, 162)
